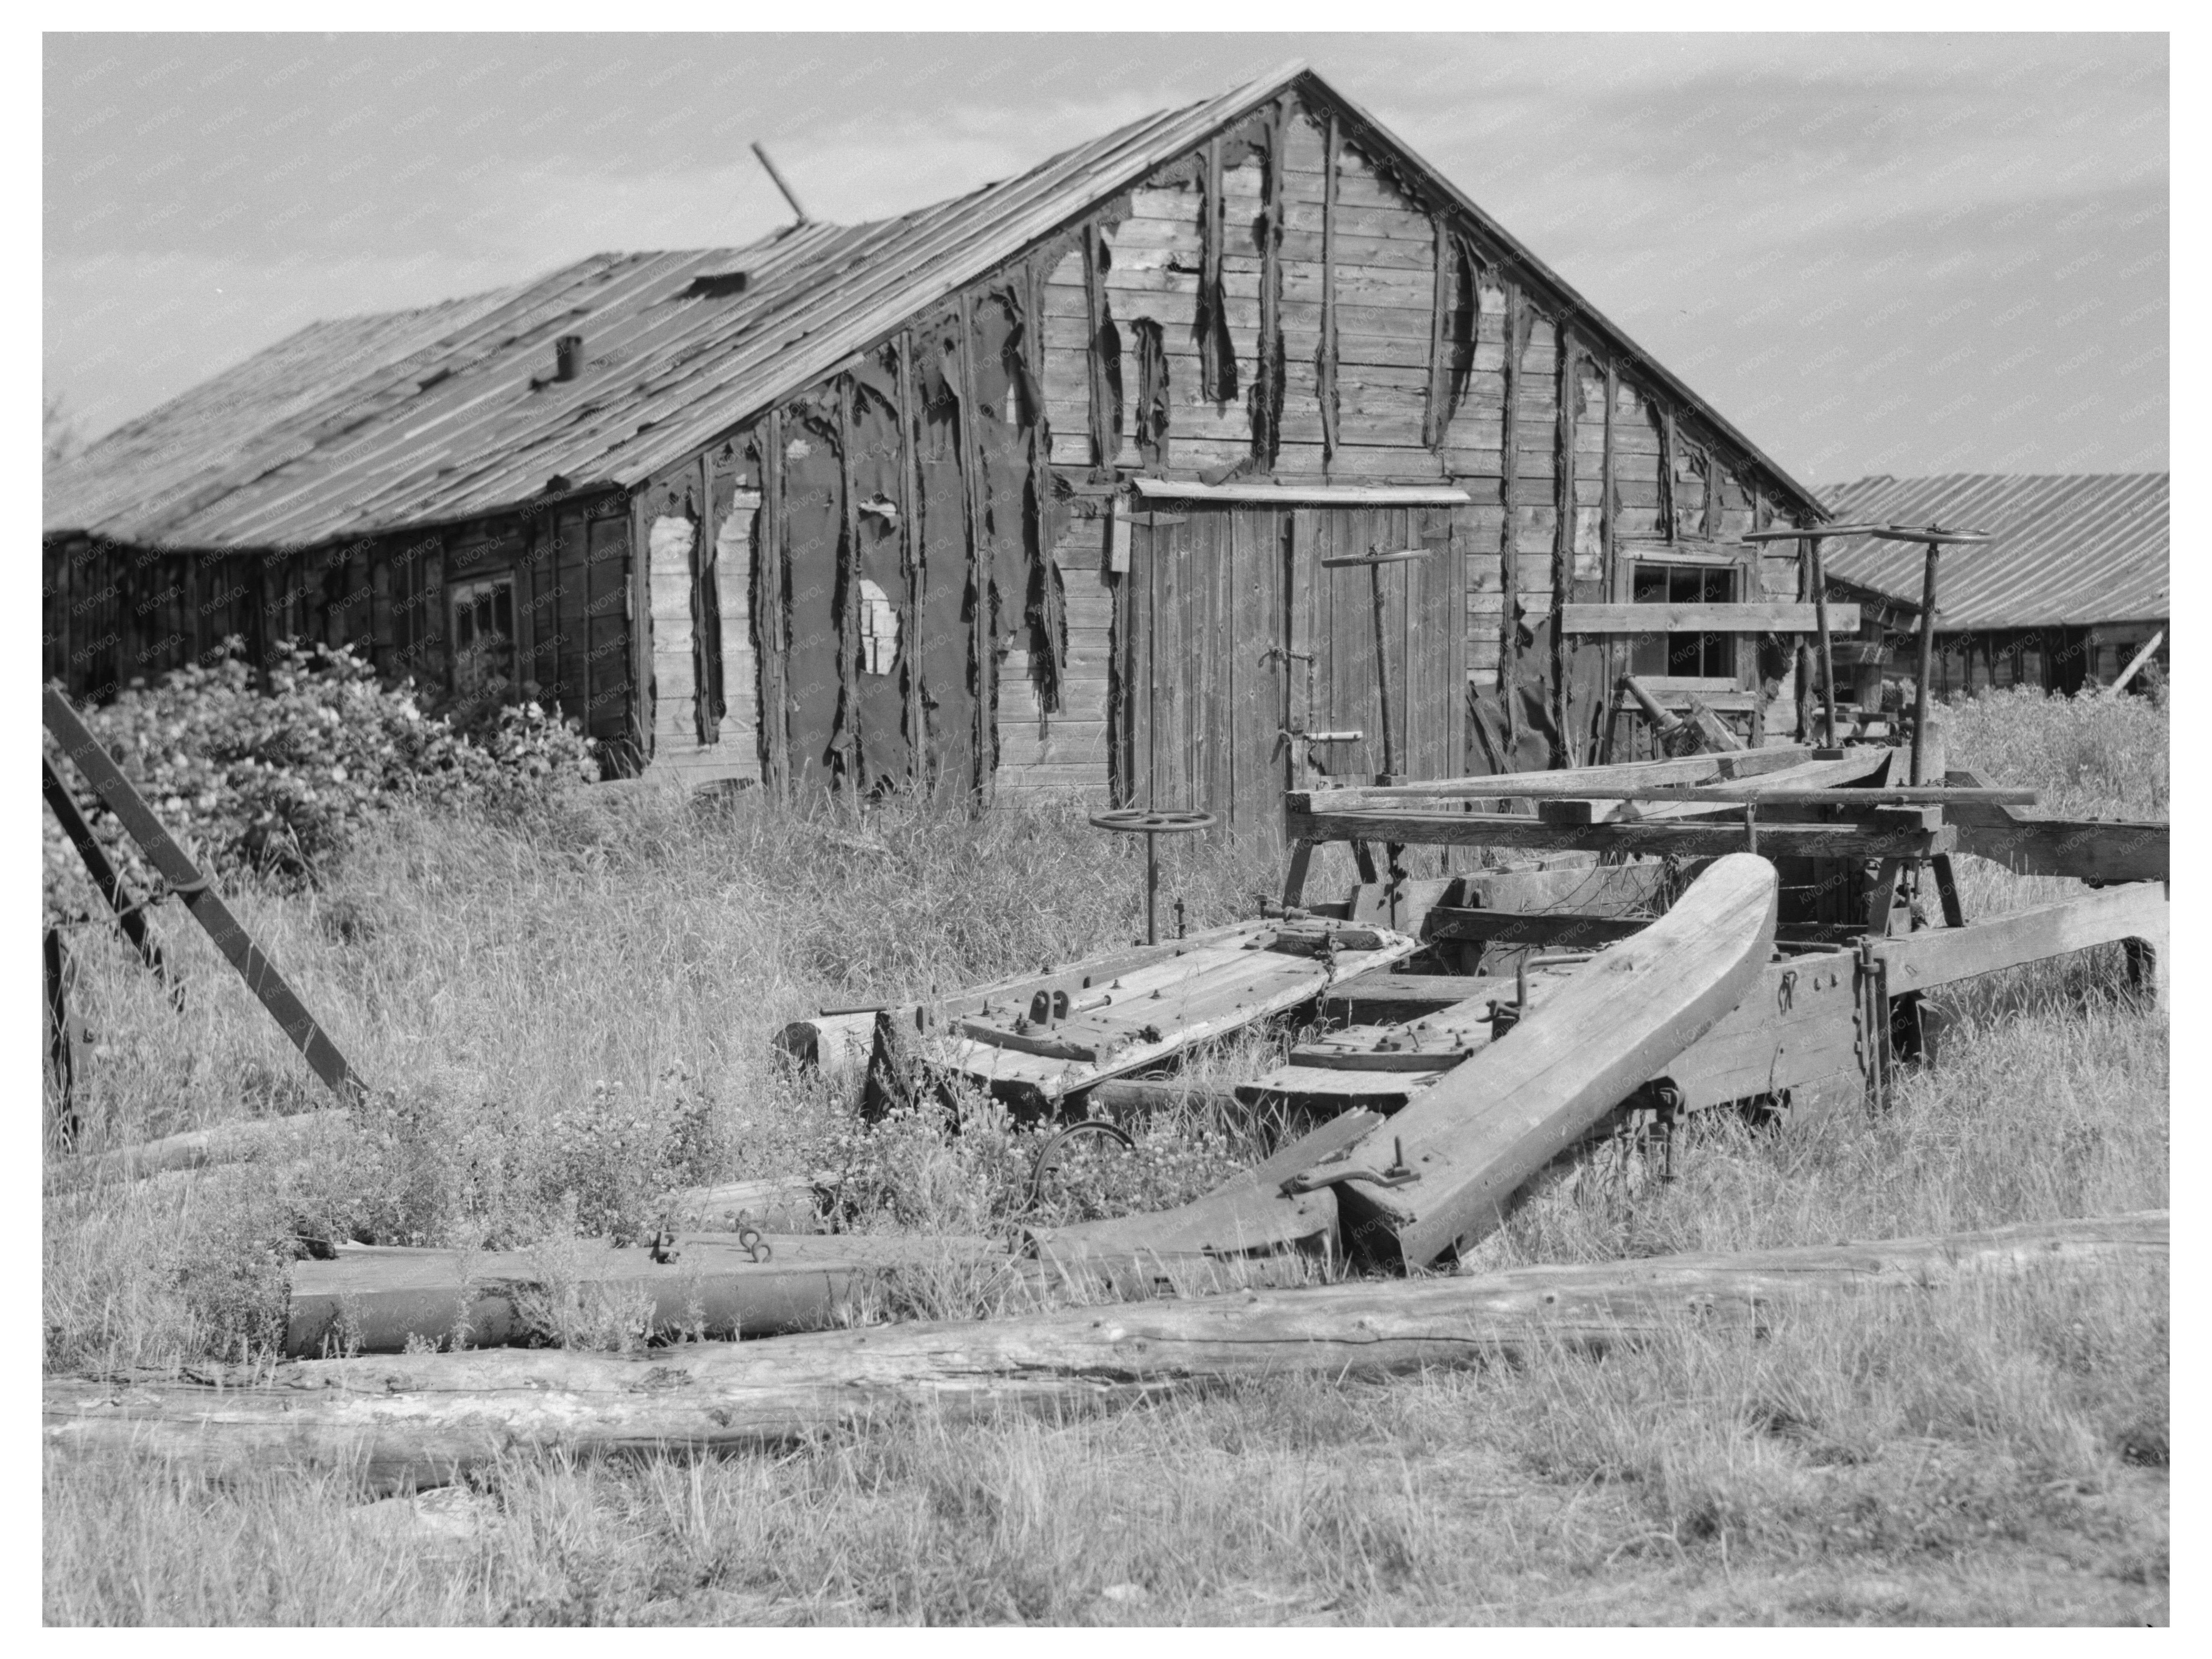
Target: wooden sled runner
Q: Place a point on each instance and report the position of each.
(1440, 1171)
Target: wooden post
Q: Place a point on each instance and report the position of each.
(1927, 661)
(1820, 622)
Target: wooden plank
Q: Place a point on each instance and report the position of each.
(1773, 618)
(1444, 1169)
(1567, 928)
(1797, 1025)
(1689, 769)
(1315, 493)
(421, 1419)
(1681, 840)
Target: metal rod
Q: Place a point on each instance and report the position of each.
(789, 195)
(1381, 670)
(1821, 621)
(121, 797)
(1151, 889)
(1927, 665)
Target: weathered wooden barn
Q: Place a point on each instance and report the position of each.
(2075, 584)
(1033, 489)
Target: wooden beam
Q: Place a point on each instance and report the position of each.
(1629, 774)
(1316, 494)
(1938, 955)
(2087, 851)
(419, 1420)
(1391, 999)
(1770, 618)
(2028, 843)
(1543, 927)
(1682, 840)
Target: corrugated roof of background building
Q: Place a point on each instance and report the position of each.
(430, 417)
(2071, 549)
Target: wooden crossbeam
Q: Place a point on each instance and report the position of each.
(1687, 769)
(1685, 840)
(1775, 618)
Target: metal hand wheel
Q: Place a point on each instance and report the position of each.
(1151, 824)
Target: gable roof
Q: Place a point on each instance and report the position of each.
(2071, 549)
(432, 416)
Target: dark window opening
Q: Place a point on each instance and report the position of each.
(483, 637)
(1683, 656)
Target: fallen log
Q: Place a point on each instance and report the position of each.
(785, 1204)
(419, 1418)
(198, 1149)
(384, 1299)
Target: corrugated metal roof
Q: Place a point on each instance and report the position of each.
(2071, 549)
(429, 417)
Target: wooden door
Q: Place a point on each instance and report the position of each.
(1203, 692)
(1225, 604)
(1422, 664)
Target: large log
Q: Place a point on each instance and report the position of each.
(198, 1149)
(419, 1418)
(382, 1300)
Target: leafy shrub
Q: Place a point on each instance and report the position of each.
(422, 1166)
(279, 782)
(935, 1167)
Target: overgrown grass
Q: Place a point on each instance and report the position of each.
(565, 1019)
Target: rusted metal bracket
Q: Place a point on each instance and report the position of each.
(119, 796)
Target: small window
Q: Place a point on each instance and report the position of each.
(483, 635)
(1684, 656)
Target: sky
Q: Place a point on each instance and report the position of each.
(1874, 253)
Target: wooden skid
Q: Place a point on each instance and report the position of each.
(1155, 1012)
(1249, 1214)
(1384, 999)
(1444, 1169)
